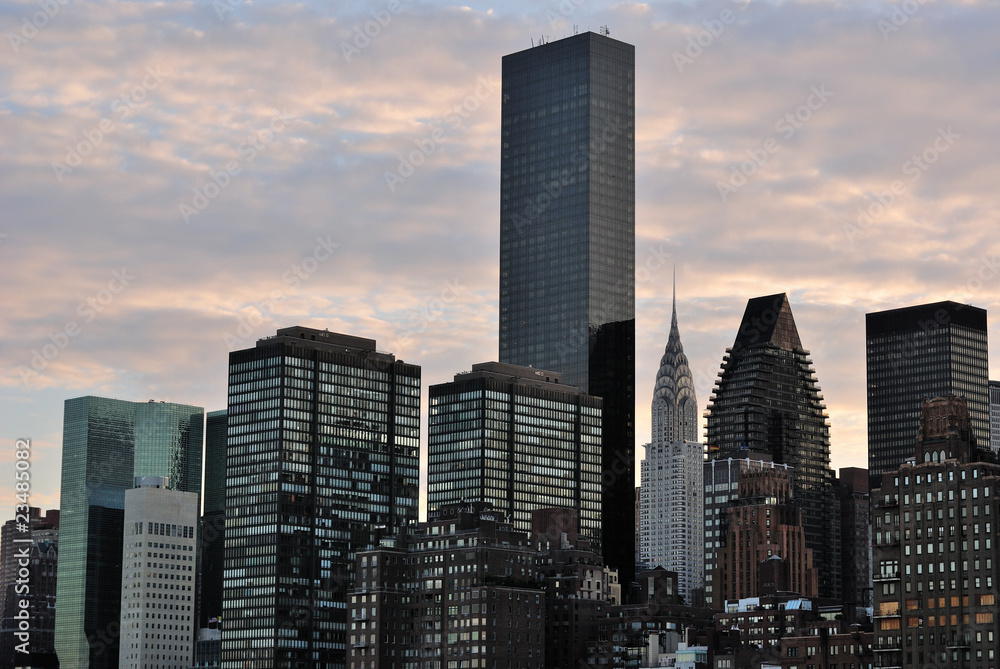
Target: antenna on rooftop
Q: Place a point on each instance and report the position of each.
(575, 29)
(605, 31)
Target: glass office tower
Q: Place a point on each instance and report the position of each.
(567, 242)
(913, 353)
(519, 439)
(766, 403)
(106, 444)
(322, 450)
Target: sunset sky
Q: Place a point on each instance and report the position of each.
(181, 178)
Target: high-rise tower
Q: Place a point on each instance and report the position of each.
(671, 496)
(322, 448)
(567, 241)
(106, 444)
(913, 353)
(766, 402)
(519, 439)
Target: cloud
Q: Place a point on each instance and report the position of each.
(425, 88)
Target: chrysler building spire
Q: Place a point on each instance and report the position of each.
(675, 407)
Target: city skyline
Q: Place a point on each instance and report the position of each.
(157, 302)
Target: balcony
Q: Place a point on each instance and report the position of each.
(360, 643)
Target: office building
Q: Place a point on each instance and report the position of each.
(158, 576)
(855, 536)
(322, 448)
(671, 518)
(995, 416)
(459, 591)
(519, 439)
(567, 241)
(763, 527)
(579, 589)
(913, 353)
(935, 552)
(721, 485)
(672, 512)
(212, 526)
(29, 555)
(106, 444)
(766, 402)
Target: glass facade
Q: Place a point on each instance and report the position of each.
(767, 401)
(322, 448)
(517, 444)
(567, 241)
(930, 350)
(215, 461)
(106, 444)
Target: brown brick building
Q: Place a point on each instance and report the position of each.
(935, 550)
(763, 522)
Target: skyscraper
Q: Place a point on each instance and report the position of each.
(913, 353)
(158, 576)
(517, 438)
(671, 506)
(567, 241)
(106, 444)
(935, 550)
(322, 448)
(766, 401)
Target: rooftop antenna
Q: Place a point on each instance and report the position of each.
(605, 31)
(575, 29)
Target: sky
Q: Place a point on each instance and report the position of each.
(179, 179)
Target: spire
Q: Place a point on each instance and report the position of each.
(675, 414)
(673, 317)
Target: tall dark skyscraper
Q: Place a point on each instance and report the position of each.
(106, 444)
(211, 534)
(322, 448)
(767, 401)
(914, 353)
(567, 242)
(519, 439)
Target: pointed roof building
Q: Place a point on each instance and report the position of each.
(671, 497)
(767, 403)
(675, 407)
